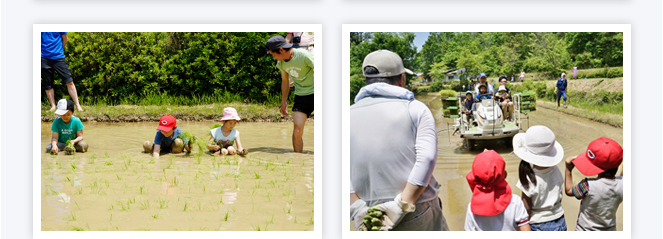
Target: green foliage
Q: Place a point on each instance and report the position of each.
(356, 83)
(604, 73)
(136, 67)
(447, 93)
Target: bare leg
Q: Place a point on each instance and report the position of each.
(51, 98)
(299, 120)
(74, 95)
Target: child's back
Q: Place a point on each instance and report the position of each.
(546, 195)
(514, 216)
(600, 199)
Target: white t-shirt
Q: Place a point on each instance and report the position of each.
(546, 195)
(514, 216)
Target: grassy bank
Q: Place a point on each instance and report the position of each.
(615, 120)
(251, 112)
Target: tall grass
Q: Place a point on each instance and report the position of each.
(165, 99)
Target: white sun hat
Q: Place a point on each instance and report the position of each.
(538, 146)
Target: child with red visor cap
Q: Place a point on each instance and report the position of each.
(493, 207)
(167, 138)
(600, 196)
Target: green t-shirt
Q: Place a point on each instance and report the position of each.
(67, 131)
(300, 68)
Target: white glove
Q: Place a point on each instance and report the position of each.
(358, 211)
(394, 212)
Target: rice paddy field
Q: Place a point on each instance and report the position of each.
(116, 186)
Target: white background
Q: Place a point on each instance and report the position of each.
(17, 17)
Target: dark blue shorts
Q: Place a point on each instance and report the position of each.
(48, 69)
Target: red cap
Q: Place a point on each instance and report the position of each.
(491, 194)
(602, 154)
(167, 123)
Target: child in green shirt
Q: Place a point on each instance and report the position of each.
(66, 128)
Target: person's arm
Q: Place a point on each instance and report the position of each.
(353, 198)
(525, 227)
(568, 176)
(64, 40)
(239, 144)
(54, 143)
(211, 144)
(426, 152)
(288, 38)
(527, 202)
(285, 89)
(155, 151)
(79, 137)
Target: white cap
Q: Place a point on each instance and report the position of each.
(64, 105)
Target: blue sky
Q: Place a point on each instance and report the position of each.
(420, 39)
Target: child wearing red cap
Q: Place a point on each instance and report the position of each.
(167, 138)
(223, 138)
(493, 207)
(600, 196)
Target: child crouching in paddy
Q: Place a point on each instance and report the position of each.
(223, 138)
(168, 138)
(65, 128)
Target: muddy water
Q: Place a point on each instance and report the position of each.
(115, 186)
(454, 161)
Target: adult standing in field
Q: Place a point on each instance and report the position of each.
(483, 80)
(301, 40)
(393, 150)
(52, 61)
(298, 64)
(560, 89)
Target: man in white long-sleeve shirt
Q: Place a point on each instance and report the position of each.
(393, 148)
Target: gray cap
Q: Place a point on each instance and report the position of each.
(387, 62)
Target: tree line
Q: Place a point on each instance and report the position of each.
(495, 53)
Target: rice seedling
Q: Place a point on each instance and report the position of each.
(79, 191)
(257, 184)
(92, 159)
(170, 164)
(151, 161)
(163, 204)
(186, 205)
(257, 175)
(75, 228)
(175, 182)
(106, 155)
(79, 208)
(142, 189)
(114, 227)
(271, 221)
(87, 225)
(272, 183)
(118, 177)
(225, 218)
(145, 205)
(155, 216)
(223, 189)
(73, 165)
(310, 221)
(109, 163)
(72, 216)
(255, 228)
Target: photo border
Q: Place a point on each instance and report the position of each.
(345, 132)
(36, 132)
